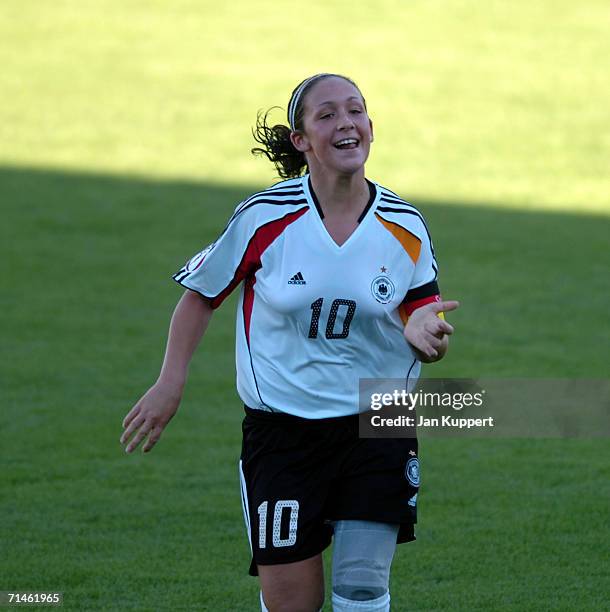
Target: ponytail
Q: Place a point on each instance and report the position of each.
(277, 147)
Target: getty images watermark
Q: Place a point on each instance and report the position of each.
(542, 408)
(411, 400)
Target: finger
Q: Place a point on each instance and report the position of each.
(132, 427)
(445, 327)
(437, 327)
(430, 352)
(434, 341)
(426, 348)
(131, 414)
(444, 306)
(137, 422)
(146, 427)
(153, 438)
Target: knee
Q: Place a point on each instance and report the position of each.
(293, 587)
(362, 556)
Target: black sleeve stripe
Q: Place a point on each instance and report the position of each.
(386, 198)
(179, 281)
(419, 293)
(266, 200)
(405, 211)
(180, 275)
(278, 188)
(398, 201)
(391, 197)
(391, 193)
(392, 200)
(284, 193)
(286, 184)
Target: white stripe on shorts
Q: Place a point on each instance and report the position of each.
(244, 503)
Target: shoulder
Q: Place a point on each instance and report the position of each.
(394, 209)
(283, 199)
(285, 193)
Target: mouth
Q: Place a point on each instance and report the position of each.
(347, 143)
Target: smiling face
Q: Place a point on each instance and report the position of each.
(337, 132)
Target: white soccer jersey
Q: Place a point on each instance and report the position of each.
(314, 317)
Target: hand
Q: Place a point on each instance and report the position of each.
(426, 332)
(150, 416)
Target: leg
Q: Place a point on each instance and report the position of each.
(285, 480)
(293, 587)
(362, 556)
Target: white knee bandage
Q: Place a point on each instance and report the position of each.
(362, 556)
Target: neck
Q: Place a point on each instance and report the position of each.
(341, 192)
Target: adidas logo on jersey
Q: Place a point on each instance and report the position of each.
(297, 279)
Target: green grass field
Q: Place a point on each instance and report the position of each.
(124, 138)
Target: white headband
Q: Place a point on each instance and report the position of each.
(294, 101)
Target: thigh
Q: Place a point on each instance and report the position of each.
(293, 587)
(285, 485)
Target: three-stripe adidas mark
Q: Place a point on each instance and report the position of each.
(297, 279)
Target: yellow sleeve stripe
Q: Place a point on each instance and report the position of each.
(404, 317)
(410, 243)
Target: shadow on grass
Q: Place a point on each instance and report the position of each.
(87, 261)
(93, 254)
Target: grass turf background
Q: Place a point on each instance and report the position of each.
(123, 149)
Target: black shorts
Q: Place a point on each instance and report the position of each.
(299, 474)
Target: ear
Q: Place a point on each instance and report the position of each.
(300, 141)
(371, 126)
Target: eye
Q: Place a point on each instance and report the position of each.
(326, 115)
(356, 110)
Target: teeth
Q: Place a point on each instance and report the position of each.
(346, 141)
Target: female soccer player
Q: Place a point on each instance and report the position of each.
(339, 283)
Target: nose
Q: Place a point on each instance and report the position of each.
(345, 121)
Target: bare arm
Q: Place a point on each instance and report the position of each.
(189, 322)
(158, 405)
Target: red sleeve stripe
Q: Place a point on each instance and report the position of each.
(409, 307)
(251, 260)
(248, 303)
